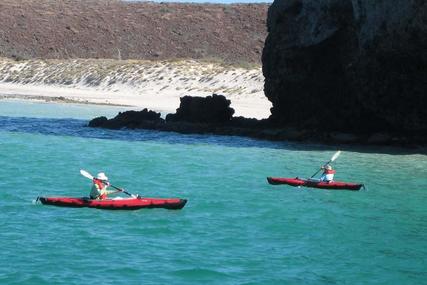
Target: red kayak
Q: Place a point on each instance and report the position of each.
(115, 204)
(334, 185)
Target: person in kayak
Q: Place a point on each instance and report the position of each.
(328, 173)
(99, 187)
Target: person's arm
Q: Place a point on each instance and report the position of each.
(106, 191)
(111, 191)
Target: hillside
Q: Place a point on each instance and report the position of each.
(128, 30)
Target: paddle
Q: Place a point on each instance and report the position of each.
(335, 156)
(88, 175)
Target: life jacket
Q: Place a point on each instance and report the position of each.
(328, 175)
(100, 185)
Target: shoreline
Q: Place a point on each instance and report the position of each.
(187, 121)
(57, 99)
(163, 103)
(157, 85)
(269, 134)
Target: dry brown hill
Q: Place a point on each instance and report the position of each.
(137, 30)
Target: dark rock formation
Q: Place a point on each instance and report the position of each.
(351, 66)
(98, 122)
(213, 109)
(144, 119)
(213, 115)
(201, 115)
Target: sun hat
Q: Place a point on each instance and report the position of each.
(102, 176)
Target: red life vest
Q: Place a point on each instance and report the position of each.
(100, 185)
(330, 171)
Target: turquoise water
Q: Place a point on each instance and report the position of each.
(235, 229)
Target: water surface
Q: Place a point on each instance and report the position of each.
(235, 229)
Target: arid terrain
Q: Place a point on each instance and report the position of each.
(141, 54)
(115, 29)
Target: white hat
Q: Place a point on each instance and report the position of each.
(328, 167)
(102, 176)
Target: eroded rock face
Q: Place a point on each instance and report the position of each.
(348, 65)
(213, 109)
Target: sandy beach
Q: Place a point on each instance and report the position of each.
(137, 84)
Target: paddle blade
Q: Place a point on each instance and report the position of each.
(86, 174)
(335, 155)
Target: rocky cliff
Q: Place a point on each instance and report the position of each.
(348, 65)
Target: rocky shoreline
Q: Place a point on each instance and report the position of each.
(213, 115)
(336, 71)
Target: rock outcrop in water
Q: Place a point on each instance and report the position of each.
(144, 119)
(358, 66)
(199, 115)
(213, 115)
(213, 109)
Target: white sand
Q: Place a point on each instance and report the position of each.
(139, 84)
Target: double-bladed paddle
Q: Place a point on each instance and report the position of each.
(335, 156)
(88, 175)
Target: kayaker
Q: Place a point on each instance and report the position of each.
(328, 173)
(99, 187)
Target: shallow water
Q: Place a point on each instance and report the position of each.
(235, 229)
